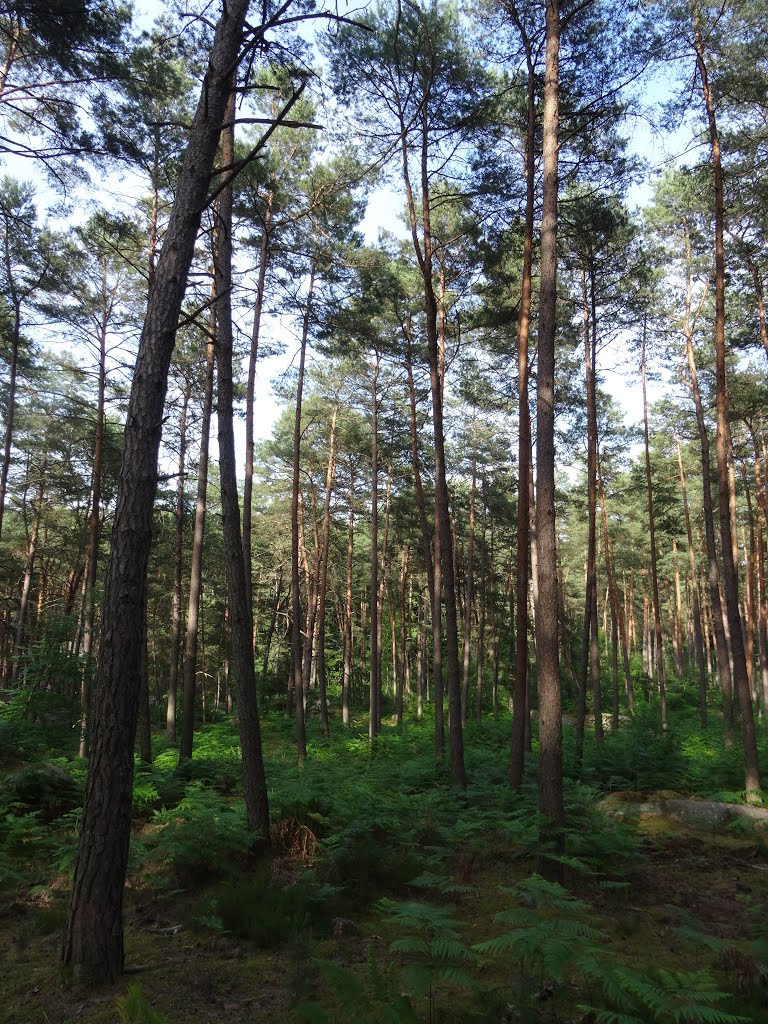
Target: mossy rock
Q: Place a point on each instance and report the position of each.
(44, 788)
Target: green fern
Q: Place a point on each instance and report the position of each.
(134, 1008)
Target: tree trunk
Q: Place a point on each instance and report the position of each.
(469, 595)
(443, 545)
(403, 650)
(178, 552)
(373, 691)
(29, 566)
(547, 632)
(94, 539)
(296, 643)
(520, 686)
(730, 576)
(250, 393)
(93, 936)
(13, 371)
(240, 613)
(348, 637)
(658, 638)
(323, 581)
(616, 605)
(196, 567)
(697, 630)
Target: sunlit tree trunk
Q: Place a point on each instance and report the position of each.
(547, 632)
(730, 576)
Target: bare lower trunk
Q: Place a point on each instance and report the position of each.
(240, 613)
(469, 590)
(657, 634)
(520, 686)
(730, 576)
(547, 632)
(189, 674)
(178, 551)
(696, 608)
(26, 585)
(296, 642)
(323, 581)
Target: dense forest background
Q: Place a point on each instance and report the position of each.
(458, 594)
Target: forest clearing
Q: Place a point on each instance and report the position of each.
(441, 694)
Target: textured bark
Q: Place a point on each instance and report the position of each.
(547, 632)
(730, 575)
(93, 936)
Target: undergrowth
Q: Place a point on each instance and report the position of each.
(372, 837)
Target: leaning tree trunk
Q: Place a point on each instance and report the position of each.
(93, 935)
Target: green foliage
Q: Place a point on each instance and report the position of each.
(373, 998)
(640, 758)
(266, 913)
(203, 837)
(664, 997)
(431, 946)
(134, 1008)
(556, 938)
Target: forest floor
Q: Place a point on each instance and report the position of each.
(390, 897)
